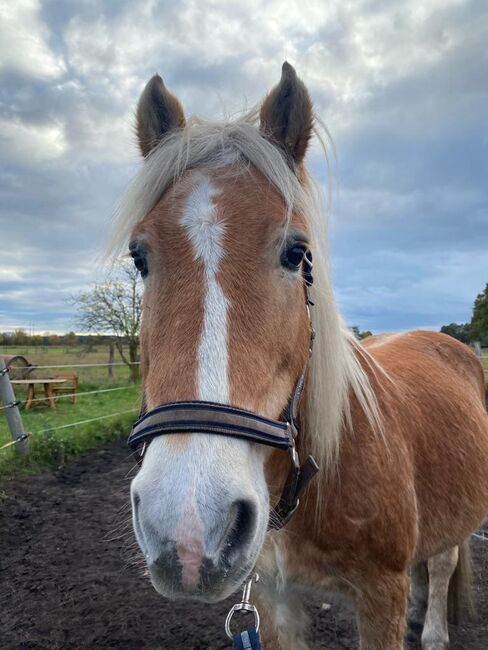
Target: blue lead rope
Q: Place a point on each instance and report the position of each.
(247, 640)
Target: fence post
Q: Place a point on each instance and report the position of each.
(477, 348)
(11, 411)
(111, 352)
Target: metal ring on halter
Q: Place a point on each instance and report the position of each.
(239, 607)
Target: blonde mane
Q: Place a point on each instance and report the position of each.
(336, 372)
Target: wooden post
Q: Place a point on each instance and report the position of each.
(111, 353)
(477, 348)
(11, 410)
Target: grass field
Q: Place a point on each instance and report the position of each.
(51, 445)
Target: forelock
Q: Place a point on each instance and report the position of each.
(203, 145)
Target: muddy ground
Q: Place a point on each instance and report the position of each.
(69, 578)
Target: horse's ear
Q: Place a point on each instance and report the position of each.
(158, 112)
(287, 115)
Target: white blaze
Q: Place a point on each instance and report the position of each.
(206, 232)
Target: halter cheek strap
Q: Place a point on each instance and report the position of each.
(225, 420)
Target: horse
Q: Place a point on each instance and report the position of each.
(220, 221)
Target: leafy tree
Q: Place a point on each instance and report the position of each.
(360, 335)
(479, 321)
(459, 331)
(115, 307)
(70, 339)
(20, 337)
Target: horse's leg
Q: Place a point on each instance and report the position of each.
(284, 621)
(381, 607)
(441, 567)
(419, 595)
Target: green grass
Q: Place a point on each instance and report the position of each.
(51, 446)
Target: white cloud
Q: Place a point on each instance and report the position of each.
(24, 40)
(217, 55)
(32, 142)
(10, 274)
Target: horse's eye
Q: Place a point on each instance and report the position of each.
(140, 262)
(293, 255)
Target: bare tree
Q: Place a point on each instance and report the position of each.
(114, 307)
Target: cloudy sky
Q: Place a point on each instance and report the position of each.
(402, 86)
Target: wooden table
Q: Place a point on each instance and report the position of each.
(31, 392)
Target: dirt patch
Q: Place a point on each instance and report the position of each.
(68, 580)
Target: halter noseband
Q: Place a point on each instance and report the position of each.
(224, 420)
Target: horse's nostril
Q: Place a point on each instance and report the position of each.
(242, 529)
(136, 500)
(208, 564)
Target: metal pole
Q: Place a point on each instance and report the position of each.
(11, 411)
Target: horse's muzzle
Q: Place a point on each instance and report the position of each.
(198, 564)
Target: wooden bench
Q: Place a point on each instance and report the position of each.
(69, 386)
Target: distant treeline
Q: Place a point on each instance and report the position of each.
(20, 337)
(477, 328)
(464, 332)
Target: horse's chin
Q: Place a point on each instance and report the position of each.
(219, 590)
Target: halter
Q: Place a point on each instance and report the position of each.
(208, 417)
